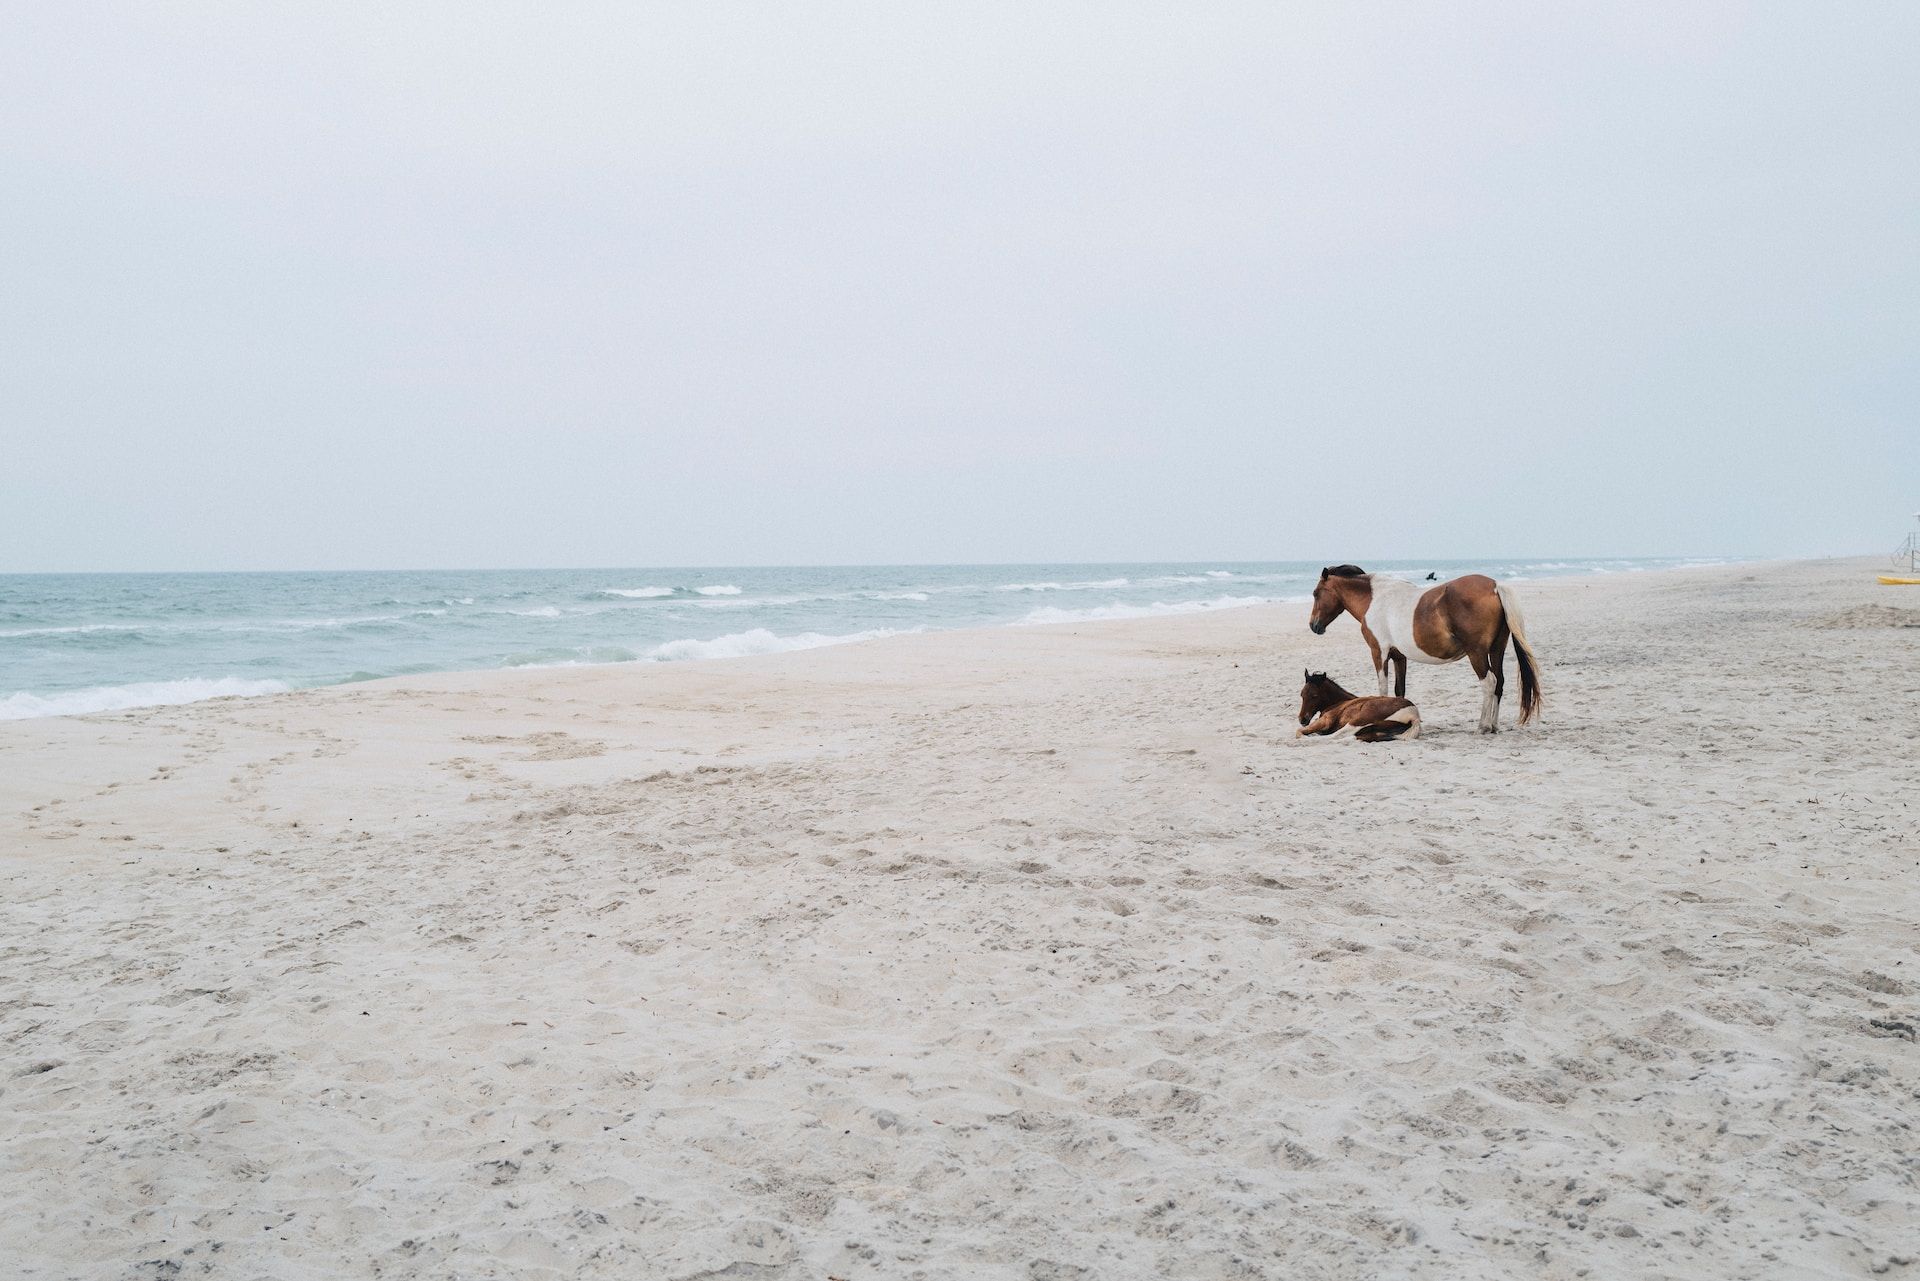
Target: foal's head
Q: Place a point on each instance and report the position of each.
(1318, 694)
(1337, 592)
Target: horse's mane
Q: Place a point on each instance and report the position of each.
(1343, 571)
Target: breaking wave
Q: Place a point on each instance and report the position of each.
(1105, 584)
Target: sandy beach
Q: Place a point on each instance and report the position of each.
(1041, 952)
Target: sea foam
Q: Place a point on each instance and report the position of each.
(758, 641)
(10, 633)
(115, 698)
(1104, 613)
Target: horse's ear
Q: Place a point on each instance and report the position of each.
(1305, 674)
(1324, 571)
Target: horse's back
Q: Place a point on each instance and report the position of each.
(1457, 616)
(1468, 589)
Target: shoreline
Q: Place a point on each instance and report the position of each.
(227, 684)
(1022, 952)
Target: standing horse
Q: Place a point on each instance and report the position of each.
(1469, 617)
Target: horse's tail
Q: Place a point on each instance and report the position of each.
(1522, 653)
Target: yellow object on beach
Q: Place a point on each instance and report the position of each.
(1891, 581)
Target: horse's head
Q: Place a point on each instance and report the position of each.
(1330, 594)
(1318, 694)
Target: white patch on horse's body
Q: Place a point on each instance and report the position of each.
(1390, 619)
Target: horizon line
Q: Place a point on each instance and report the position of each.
(919, 564)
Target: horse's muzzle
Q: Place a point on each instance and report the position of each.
(1318, 629)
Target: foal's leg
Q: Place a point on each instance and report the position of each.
(1386, 731)
(1321, 724)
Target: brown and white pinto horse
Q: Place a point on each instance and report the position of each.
(1326, 708)
(1469, 617)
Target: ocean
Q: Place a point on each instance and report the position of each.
(77, 643)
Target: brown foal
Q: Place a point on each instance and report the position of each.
(1325, 708)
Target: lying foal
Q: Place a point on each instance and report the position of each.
(1325, 708)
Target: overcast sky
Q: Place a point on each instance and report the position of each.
(339, 286)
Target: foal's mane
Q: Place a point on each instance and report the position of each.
(1342, 695)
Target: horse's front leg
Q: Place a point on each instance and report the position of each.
(1379, 655)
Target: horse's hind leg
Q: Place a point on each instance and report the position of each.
(1489, 700)
(1497, 664)
(1399, 662)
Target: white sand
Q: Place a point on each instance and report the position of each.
(1029, 953)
